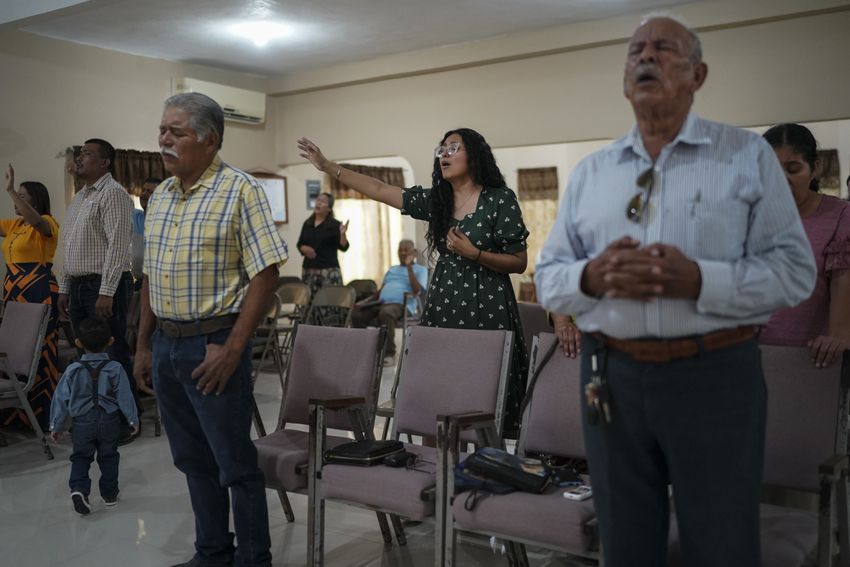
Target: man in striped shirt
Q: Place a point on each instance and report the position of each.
(210, 269)
(671, 245)
(95, 280)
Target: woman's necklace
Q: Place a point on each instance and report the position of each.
(466, 201)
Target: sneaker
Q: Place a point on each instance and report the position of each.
(110, 500)
(81, 503)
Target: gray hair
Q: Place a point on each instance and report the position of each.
(205, 114)
(696, 45)
(407, 241)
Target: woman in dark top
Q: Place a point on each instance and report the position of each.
(321, 236)
(476, 226)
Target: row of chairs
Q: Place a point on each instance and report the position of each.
(805, 447)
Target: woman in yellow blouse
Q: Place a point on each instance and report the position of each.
(28, 248)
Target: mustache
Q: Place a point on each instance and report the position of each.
(169, 152)
(646, 70)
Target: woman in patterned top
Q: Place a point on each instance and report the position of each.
(28, 247)
(822, 322)
(475, 225)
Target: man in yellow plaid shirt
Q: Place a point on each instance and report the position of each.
(211, 266)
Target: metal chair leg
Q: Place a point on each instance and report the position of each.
(385, 528)
(287, 507)
(398, 528)
(258, 420)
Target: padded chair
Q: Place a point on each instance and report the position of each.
(551, 426)
(535, 320)
(294, 301)
(445, 371)
(363, 288)
(283, 280)
(354, 370)
(21, 342)
(331, 307)
(805, 450)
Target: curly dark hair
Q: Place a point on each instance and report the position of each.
(483, 171)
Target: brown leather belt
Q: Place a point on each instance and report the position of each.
(659, 351)
(183, 329)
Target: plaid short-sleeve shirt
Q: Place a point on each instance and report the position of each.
(204, 244)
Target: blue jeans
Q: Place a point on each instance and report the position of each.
(697, 423)
(211, 444)
(83, 296)
(95, 432)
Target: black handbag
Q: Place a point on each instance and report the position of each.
(528, 475)
(363, 453)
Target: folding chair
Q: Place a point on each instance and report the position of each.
(805, 450)
(551, 426)
(445, 371)
(331, 307)
(21, 343)
(386, 409)
(296, 295)
(354, 370)
(363, 288)
(264, 347)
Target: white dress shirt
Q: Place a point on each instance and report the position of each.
(719, 195)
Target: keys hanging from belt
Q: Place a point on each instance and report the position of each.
(597, 393)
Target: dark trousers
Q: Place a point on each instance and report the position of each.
(95, 432)
(211, 444)
(386, 314)
(83, 296)
(696, 423)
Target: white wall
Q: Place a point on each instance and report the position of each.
(57, 94)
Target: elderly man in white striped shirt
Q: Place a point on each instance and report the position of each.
(671, 245)
(95, 280)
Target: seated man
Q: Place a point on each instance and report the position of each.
(386, 306)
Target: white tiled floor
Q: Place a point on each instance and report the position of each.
(153, 523)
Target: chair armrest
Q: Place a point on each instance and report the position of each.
(337, 403)
(835, 467)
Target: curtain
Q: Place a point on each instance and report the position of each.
(391, 175)
(131, 168)
(538, 198)
(374, 228)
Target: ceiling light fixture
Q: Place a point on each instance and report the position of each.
(259, 32)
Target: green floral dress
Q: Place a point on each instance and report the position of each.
(465, 295)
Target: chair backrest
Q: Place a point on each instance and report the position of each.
(288, 279)
(294, 293)
(340, 297)
(534, 321)
(363, 288)
(22, 337)
(331, 362)
(449, 371)
(806, 416)
(552, 423)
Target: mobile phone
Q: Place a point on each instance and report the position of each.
(582, 492)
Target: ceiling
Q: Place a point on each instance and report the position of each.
(323, 32)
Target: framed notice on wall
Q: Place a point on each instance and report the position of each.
(275, 187)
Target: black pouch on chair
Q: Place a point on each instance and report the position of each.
(528, 475)
(363, 453)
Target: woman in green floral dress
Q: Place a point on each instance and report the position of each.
(475, 225)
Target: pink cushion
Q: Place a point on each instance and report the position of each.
(394, 490)
(547, 518)
(279, 453)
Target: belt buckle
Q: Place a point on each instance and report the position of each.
(170, 328)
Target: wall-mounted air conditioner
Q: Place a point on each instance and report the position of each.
(239, 105)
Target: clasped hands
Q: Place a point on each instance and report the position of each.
(625, 270)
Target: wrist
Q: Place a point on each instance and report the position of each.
(477, 256)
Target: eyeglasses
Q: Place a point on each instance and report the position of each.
(447, 151)
(640, 202)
